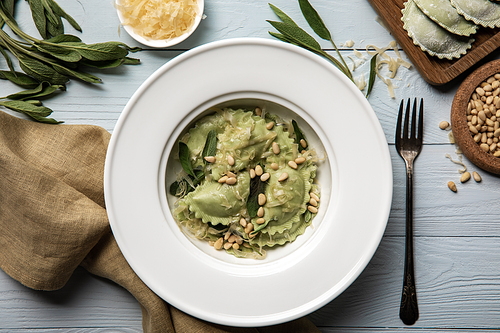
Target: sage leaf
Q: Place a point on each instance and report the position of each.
(256, 187)
(285, 18)
(64, 38)
(373, 74)
(315, 22)
(76, 74)
(38, 15)
(61, 13)
(184, 159)
(65, 54)
(103, 64)
(44, 119)
(99, 51)
(307, 216)
(27, 108)
(259, 228)
(297, 34)
(40, 71)
(44, 89)
(283, 38)
(298, 134)
(210, 147)
(7, 59)
(19, 78)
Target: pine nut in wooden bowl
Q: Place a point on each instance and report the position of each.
(474, 117)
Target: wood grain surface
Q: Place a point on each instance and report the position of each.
(434, 70)
(457, 235)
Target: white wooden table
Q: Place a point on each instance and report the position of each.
(457, 235)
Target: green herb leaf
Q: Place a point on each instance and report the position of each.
(210, 147)
(256, 187)
(40, 71)
(99, 51)
(19, 78)
(64, 38)
(259, 228)
(184, 159)
(61, 13)
(39, 18)
(76, 74)
(39, 113)
(298, 134)
(297, 34)
(285, 18)
(373, 74)
(307, 216)
(42, 90)
(65, 54)
(312, 17)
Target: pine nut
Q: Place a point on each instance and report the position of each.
(227, 235)
(231, 181)
(312, 209)
(243, 222)
(270, 125)
(223, 179)
(485, 147)
(231, 174)
(249, 228)
(231, 239)
(313, 202)
(230, 160)
(262, 199)
(465, 177)
(260, 212)
(303, 143)
(265, 177)
(314, 196)
(236, 246)
(444, 124)
(210, 159)
(218, 243)
(227, 246)
(252, 173)
(283, 177)
(476, 176)
(276, 148)
(258, 170)
(275, 166)
(258, 112)
(292, 164)
(452, 186)
(300, 160)
(260, 220)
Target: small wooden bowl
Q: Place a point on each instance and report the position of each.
(461, 132)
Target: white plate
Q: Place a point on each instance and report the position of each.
(355, 179)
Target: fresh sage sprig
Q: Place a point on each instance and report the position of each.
(256, 187)
(49, 63)
(210, 147)
(290, 32)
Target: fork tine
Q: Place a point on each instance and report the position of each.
(413, 133)
(407, 120)
(421, 121)
(400, 119)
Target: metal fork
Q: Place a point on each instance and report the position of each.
(409, 145)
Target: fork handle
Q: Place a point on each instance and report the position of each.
(408, 311)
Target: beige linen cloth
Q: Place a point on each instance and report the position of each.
(53, 219)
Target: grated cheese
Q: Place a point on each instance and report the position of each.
(159, 19)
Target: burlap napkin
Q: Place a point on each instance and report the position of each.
(53, 219)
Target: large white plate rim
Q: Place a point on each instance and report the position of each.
(306, 267)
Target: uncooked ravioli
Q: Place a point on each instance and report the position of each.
(447, 16)
(430, 36)
(481, 12)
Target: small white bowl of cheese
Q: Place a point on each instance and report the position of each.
(160, 23)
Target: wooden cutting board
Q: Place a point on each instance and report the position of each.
(434, 70)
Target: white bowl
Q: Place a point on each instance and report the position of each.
(355, 179)
(160, 43)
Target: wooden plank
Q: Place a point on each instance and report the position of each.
(457, 287)
(435, 71)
